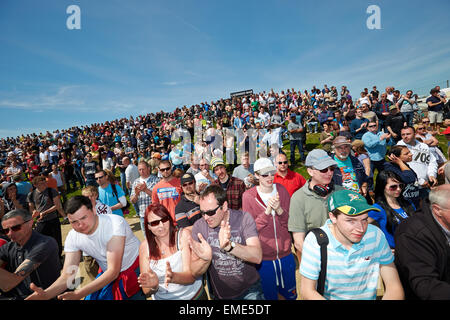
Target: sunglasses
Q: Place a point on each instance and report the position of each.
(421, 128)
(425, 121)
(396, 186)
(282, 162)
(97, 178)
(372, 126)
(15, 228)
(156, 222)
(209, 213)
(165, 169)
(188, 184)
(326, 169)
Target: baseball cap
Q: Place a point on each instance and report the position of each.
(349, 203)
(216, 161)
(393, 107)
(187, 177)
(264, 166)
(319, 159)
(341, 140)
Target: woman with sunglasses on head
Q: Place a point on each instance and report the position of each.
(398, 157)
(394, 208)
(164, 259)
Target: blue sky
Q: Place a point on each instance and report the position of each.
(133, 57)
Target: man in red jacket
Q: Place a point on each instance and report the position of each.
(291, 180)
(268, 203)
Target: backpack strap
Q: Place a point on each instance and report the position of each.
(322, 240)
(114, 190)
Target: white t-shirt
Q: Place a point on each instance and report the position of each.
(131, 173)
(265, 197)
(95, 244)
(101, 208)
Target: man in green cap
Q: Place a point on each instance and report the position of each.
(357, 254)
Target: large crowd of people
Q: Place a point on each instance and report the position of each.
(216, 188)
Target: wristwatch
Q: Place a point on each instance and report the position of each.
(232, 245)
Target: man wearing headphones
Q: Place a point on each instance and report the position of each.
(308, 208)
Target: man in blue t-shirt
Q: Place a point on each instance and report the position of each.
(106, 194)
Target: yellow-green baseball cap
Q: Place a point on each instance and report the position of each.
(349, 203)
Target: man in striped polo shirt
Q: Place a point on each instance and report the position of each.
(357, 254)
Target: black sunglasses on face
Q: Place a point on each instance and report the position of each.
(188, 184)
(97, 178)
(15, 228)
(165, 169)
(209, 213)
(155, 223)
(326, 169)
(282, 162)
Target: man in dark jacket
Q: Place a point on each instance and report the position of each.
(422, 249)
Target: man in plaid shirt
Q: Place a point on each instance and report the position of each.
(141, 190)
(234, 187)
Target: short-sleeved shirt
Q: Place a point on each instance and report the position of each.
(351, 274)
(230, 276)
(43, 201)
(95, 244)
(39, 249)
(349, 180)
(107, 196)
(436, 108)
(144, 200)
(167, 194)
(292, 181)
(89, 169)
(307, 209)
(294, 126)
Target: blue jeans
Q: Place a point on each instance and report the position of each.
(255, 292)
(123, 182)
(312, 124)
(299, 145)
(409, 116)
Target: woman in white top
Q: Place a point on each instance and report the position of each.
(164, 259)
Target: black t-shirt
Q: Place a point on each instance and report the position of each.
(89, 169)
(40, 249)
(187, 212)
(395, 122)
(43, 201)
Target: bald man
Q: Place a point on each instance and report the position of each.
(422, 249)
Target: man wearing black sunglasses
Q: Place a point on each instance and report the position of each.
(308, 209)
(168, 190)
(225, 244)
(29, 257)
(187, 211)
(291, 180)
